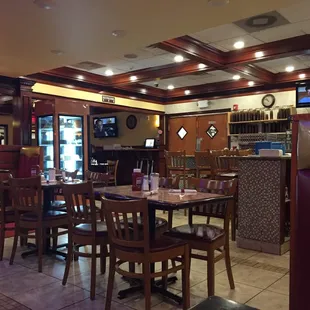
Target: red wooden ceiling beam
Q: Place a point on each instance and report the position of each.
(159, 72)
(294, 76)
(273, 50)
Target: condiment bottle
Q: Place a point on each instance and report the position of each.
(137, 180)
(146, 184)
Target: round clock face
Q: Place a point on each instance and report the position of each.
(268, 101)
(131, 122)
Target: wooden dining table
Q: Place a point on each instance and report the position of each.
(164, 200)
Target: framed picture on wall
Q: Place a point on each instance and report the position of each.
(3, 134)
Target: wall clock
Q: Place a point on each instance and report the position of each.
(268, 101)
(131, 122)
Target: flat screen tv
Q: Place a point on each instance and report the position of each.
(105, 127)
(303, 96)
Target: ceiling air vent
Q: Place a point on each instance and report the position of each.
(88, 65)
(262, 22)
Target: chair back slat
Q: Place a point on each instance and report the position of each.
(219, 209)
(170, 182)
(125, 234)
(175, 160)
(80, 204)
(100, 179)
(203, 159)
(27, 194)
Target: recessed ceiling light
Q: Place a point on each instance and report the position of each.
(143, 91)
(70, 86)
(251, 83)
(118, 33)
(44, 4)
(259, 54)
(289, 68)
(133, 98)
(201, 66)
(302, 75)
(236, 77)
(57, 52)
(187, 92)
(217, 2)
(108, 72)
(178, 58)
(80, 77)
(170, 87)
(239, 44)
(133, 78)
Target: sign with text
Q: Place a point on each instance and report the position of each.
(108, 99)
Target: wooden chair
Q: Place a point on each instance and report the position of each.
(29, 215)
(84, 229)
(204, 163)
(7, 215)
(112, 171)
(208, 237)
(129, 244)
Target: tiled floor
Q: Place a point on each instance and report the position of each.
(261, 281)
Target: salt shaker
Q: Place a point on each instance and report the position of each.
(154, 181)
(145, 184)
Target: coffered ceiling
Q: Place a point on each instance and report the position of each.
(211, 63)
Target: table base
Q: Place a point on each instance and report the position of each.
(157, 287)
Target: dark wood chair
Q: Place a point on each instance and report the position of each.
(99, 179)
(29, 215)
(84, 229)
(112, 168)
(204, 163)
(208, 237)
(7, 215)
(129, 244)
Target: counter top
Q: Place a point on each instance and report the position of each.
(257, 157)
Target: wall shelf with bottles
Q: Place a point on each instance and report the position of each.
(254, 121)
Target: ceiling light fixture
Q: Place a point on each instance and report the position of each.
(178, 58)
(289, 68)
(251, 83)
(259, 54)
(80, 77)
(44, 4)
(118, 33)
(108, 72)
(217, 2)
(239, 45)
(170, 87)
(133, 78)
(143, 91)
(57, 52)
(201, 66)
(70, 86)
(302, 75)
(187, 92)
(236, 77)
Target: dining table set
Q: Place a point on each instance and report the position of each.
(81, 203)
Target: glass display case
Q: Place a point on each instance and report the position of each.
(71, 144)
(46, 140)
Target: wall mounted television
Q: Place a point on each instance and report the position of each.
(105, 127)
(303, 96)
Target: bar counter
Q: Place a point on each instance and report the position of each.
(128, 158)
(262, 205)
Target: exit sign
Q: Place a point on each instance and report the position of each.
(108, 99)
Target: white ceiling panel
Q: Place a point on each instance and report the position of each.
(247, 39)
(219, 33)
(279, 65)
(154, 61)
(297, 12)
(304, 26)
(278, 33)
(219, 47)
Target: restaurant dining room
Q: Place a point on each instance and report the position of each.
(163, 166)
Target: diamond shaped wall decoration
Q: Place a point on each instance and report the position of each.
(212, 131)
(182, 133)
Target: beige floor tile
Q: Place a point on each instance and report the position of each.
(239, 252)
(274, 260)
(195, 278)
(242, 292)
(252, 276)
(22, 282)
(201, 266)
(7, 270)
(282, 286)
(270, 301)
(138, 302)
(52, 296)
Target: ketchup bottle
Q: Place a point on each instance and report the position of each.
(137, 180)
